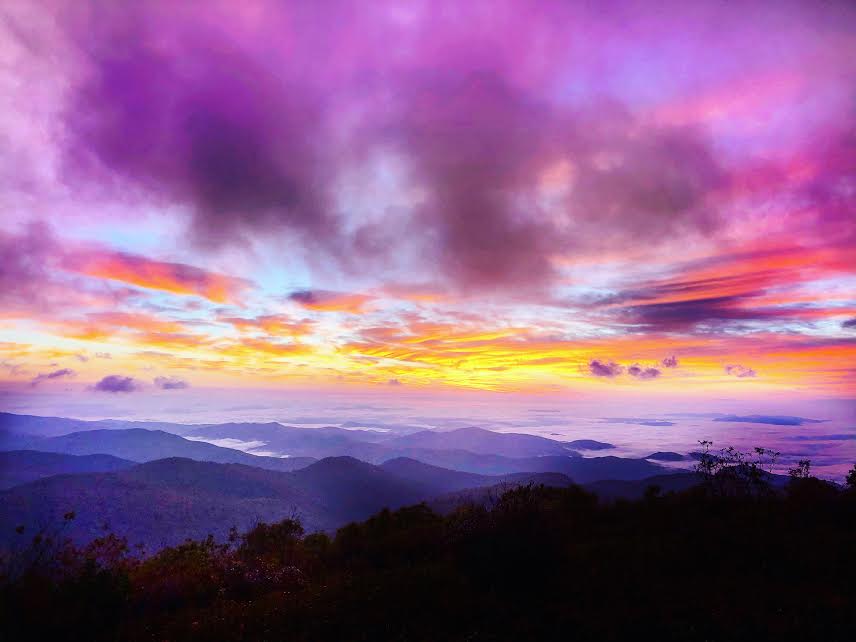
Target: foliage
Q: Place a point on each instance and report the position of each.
(734, 472)
(725, 561)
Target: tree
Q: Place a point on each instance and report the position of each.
(734, 472)
(802, 470)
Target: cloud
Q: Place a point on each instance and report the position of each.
(639, 421)
(239, 143)
(176, 278)
(736, 370)
(56, 374)
(326, 301)
(108, 322)
(254, 135)
(604, 368)
(849, 323)
(117, 383)
(641, 372)
(610, 369)
(733, 286)
(670, 362)
(775, 420)
(170, 383)
(681, 314)
(272, 324)
(839, 437)
(26, 281)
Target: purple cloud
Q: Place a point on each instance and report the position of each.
(604, 368)
(252, 137)
(117, 383)
(641, 372)
(736, 370)
(170, 383)
(56, 374)
(849, 323)
(670, 362)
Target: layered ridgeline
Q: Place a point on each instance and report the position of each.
(159, 483)
(166, 501)
(22, 466)
(472, 450)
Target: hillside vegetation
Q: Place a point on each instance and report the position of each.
(720, 561)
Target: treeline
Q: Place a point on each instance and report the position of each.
(723, 561)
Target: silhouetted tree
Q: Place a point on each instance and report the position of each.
(734, 472)
(802, 470)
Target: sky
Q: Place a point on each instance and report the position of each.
(612, 204)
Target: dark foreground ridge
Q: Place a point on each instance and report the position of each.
(718, 561)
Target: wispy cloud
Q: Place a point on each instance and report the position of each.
(56, 374)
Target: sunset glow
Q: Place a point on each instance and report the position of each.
(571, 201)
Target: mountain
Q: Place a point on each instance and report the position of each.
(163, 502)
(581, 469)
(16, 430)
(584, 470)
(667, 455)
(635, 489)
(157, 504)
(443, 480)
(375, 446)
(481, 441)
(13, 424)
(462, 460)
(590, 444)
(22, 466)
(324, 441)
(140, 445)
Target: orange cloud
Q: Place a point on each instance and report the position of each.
(177, 278)
(273, 324)
(262, 348)
(326, 301)
(135, 321)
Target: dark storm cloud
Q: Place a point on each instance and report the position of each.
(251, 136)
(181, 111)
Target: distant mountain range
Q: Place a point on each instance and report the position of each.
(166, 501)
(159, 483)
(140, 445)
(326, 441)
